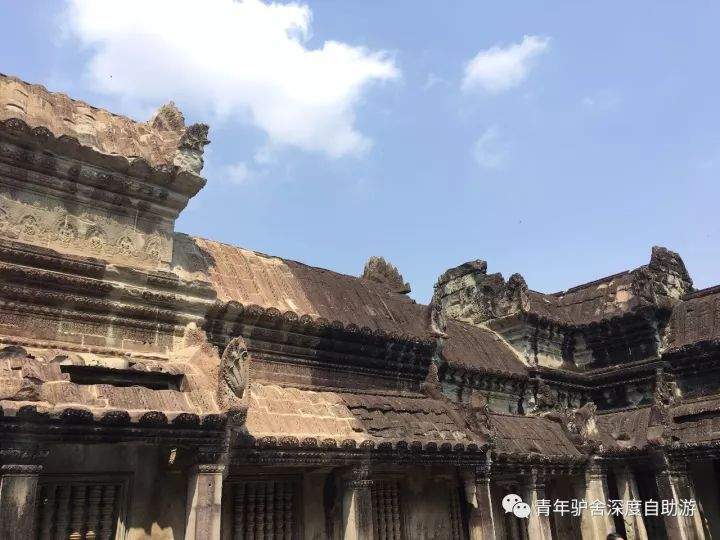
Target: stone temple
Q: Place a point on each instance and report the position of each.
(158, 385)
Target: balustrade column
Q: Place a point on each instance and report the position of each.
(674, 485)
(18, 493)
(479, 496)
(628, 491)
(204, 502)
(357, 506)
(534, 490)
(592, 486)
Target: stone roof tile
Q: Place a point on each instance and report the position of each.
(248, 277)
(530, 434)
(474, 348)
(341, 416)
(111, 134)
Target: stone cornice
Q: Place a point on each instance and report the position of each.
(39, 150)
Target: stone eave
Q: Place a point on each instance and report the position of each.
(47, 148)
(313, 450)
(519, 459)
(347, 343)
(70, 423)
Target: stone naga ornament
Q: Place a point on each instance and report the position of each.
(665, 397)
(475, 414)
(234, 379)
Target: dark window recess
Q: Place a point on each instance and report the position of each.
(696, 417)
(386, 509)
(123, 377)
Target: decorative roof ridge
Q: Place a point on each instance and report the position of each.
(358, 279)
(696, 399)
(343, 391)
(513, 415)
(702, 292)
(604, 320)
(17, 79)
(591, 283)
(624, 409)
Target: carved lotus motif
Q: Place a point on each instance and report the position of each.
(96, 239)
(153, 248)
(66, 233)
(29, 226)
(125, 245)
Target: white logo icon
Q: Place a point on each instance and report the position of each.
(514, 503)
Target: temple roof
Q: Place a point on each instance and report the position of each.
(478, 349)
(278, 412)
(252, 278)
(531, 434)
(625, 429)
(604, 298)
(155, 141)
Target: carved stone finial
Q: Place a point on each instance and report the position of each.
(191, 147)
(477, 414)
(379, 270)
(546, 399)
(665, 280)
(234, 378)
(432, 380)
(579, 425)
(168, 118)
(664, 398)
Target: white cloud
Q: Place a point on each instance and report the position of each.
(237, 173)
(431, 81)
(498, 69)
(242, 59)
(489, 150)
(602, 101)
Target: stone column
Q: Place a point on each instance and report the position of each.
(628, 491)
(478, 495)
(204, 502)
(18, 492)
(357, 521)
(674, 485)
(533, 491)
(592, 486)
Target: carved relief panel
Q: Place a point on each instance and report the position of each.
(81, 229)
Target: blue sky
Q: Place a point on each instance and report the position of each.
(560, 140)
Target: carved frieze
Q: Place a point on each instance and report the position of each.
(78, 228)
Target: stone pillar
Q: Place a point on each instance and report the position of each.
(204, 502)
(534, 490)
(592, 486)
(675, 485)
(357, 521)
(18, 492)
(628, 491)
(478, 495)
